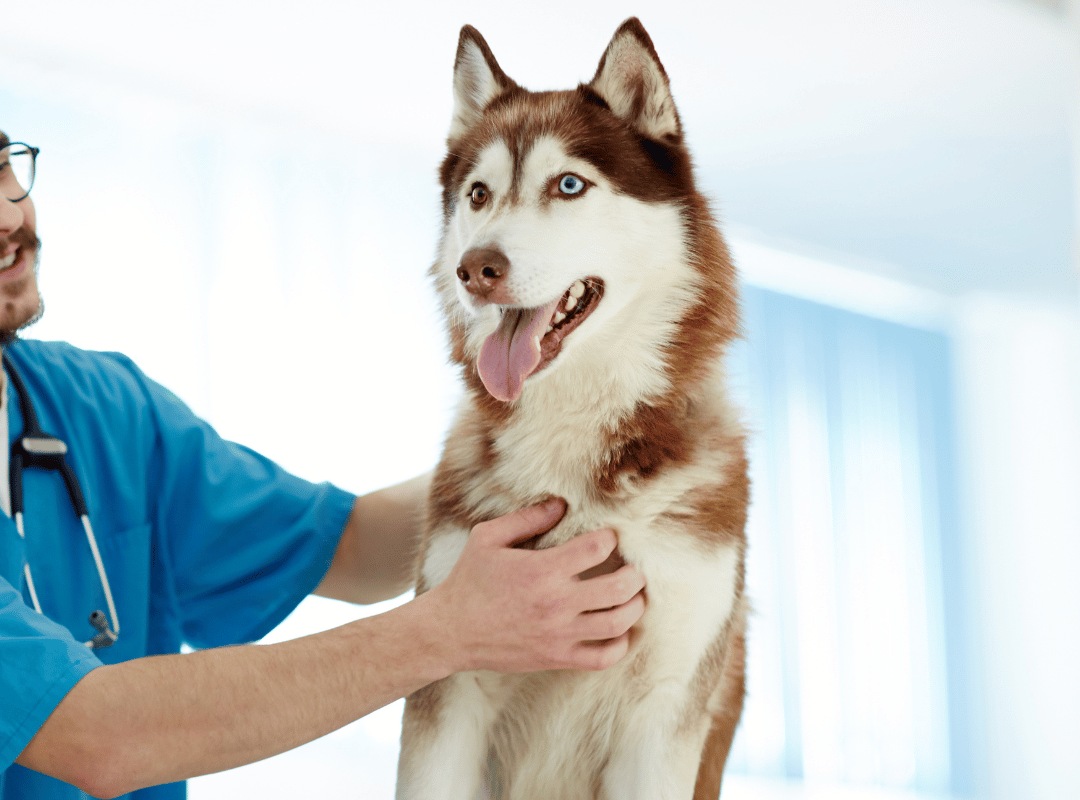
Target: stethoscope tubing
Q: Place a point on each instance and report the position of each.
(35, 448)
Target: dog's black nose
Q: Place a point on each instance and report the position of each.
(482, 269)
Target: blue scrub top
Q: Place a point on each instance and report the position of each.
(204, 541)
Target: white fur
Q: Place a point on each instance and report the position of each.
(444, 549)
(461, 743)
(648, 735)
(653, 755)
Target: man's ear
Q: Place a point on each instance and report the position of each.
(633, 83)
(478, 79)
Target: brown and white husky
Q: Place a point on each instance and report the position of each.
(589, 300)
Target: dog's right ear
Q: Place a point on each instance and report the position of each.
(478, 79)
(633, 83)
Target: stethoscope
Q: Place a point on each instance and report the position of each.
(35, 448)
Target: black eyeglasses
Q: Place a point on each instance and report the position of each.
(18, 163)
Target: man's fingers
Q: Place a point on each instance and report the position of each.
(585, 551)
(523, 524)
(610, 623)
(599, 655)
(607, 591)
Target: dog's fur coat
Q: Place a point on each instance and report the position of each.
(620, 408)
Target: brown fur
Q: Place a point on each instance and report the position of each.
(716, 513)
(722, 732)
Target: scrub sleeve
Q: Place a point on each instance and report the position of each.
(39, 663)
(205, 542)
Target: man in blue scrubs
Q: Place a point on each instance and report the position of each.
(208, 543)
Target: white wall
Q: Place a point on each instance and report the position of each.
(1018, 388)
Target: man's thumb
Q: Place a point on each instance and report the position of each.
(525, 523)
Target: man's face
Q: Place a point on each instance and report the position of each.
(20, 302)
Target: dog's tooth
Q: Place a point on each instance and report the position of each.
(571, 303)
(577, 290)
(550, 328)
(559, 317)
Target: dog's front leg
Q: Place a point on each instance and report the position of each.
(444, 740)
(656, 754)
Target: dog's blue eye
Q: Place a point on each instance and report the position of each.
(571, 184)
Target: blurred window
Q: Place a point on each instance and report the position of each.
(851, 468)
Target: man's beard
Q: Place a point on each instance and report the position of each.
(29, 242)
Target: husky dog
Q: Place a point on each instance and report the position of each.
(589, 299)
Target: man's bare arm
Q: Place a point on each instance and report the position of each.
(375, 556)
(167, 718)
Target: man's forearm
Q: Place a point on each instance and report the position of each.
(375, 556)
(167, 718)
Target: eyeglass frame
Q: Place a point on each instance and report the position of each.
(33, 166)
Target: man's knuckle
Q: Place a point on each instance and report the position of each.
(590, 545)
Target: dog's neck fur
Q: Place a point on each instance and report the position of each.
(623, 429)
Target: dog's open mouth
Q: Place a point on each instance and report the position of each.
(528, 339)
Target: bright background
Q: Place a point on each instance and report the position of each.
(242, 197)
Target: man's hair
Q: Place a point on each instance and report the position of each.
(4, 140)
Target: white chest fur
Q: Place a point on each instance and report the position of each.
(644, 711)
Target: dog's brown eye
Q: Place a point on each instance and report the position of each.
(479, 195)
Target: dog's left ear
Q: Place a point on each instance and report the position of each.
(478, 79)
(633, 83)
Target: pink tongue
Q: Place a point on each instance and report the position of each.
(511, 354)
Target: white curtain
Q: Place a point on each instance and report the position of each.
(852, 495)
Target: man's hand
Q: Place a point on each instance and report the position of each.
(515, 610)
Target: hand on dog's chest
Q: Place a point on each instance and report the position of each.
(558, 536)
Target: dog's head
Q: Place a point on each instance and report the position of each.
(568, 216)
